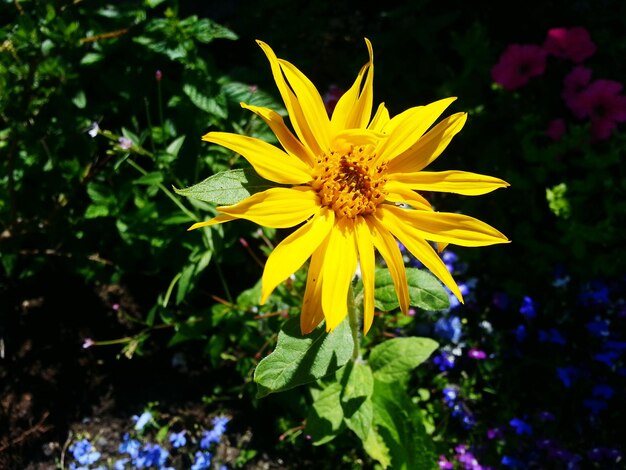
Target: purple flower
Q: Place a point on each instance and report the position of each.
(477, 354)
(125, 143)
(444, 360)
(603, 391)
(518, 64)
(546, 416)
(494, 433)
(574, 44)
(178, 439)
(444, 463)
(512, 462)
(521, 426)
(450, 394)
(528, 308)
(88, 343)
(556, 129)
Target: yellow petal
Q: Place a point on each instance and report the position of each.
(388, 249)
(441, 247)
(354, 108)
(282, 133)
(367, 263)
(294, 108)
(311, 102)
(453, 181)
(380, 119)
(268, 161)
(429, 147)
(406, 128)
(419, 248)
(276, 207)
(398, 192)
(445, 227)
(338, 270)
(214, 221)
(312, 313)
(293, 251)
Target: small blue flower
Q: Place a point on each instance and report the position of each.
(141, 421)
(511, 462)
(520, 333)
(445, 361)
(595, 405)
(567, 375)
(594, 293)
(521, 426)
(178, 439)
(450, 394)
(603, 391)
(528, 308)
(615, 345)
(84, 452)
(120, 464)
(606, 357)
(598, 328)
(215, 434)
(449, 328)
(129, 446)
(551, 336)
(151, 455)
(202, 460)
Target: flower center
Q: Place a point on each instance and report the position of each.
(349, 182)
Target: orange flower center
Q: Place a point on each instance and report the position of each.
(349, 182)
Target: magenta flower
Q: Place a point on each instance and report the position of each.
(603, 102)
(556, 129)
(574, 84)
(574, 44)
(477, 354)
(518, 64)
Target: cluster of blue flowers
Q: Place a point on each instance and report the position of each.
(137, 453)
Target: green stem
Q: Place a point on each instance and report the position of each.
(353, 319)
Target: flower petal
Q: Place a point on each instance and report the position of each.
(445, 227)
(354, 108)
(365, 247)
(429, 147)
(293, 251)
(419, 248)
(380, 119)
(311, 102)
(282, 133)
(453, 181)
(312, 313)
(388, 249)
(276, 207)
(406, 128)
(268, 161)
(214, 221)
(398, 192)
(338, 270)
(294, 108)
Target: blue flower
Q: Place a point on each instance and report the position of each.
(454, 302)
(520, 333)
(84, 452)
(202, 460)
(521, 426)
(595, 405)
(129, 446)
(449, 328)
(215, 434)
(594, 293)
(528, 308)
(444, 360)
(598, 327)
(551, 336)
(615, 345)
(141, 421)
(151, 455)
(606, 357)
(178, 439)
(567, 375)
(450, 394)
(603, 391)
(511, 462)
(120, 464)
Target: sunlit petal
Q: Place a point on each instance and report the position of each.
(365, 247)
(388, 249)
(452, 181)
(380, 119)
(429, 147)
(214, 221)
(398, 192)
(268, 161)
(282, 133)
(338, 270)
(406, 128)
(312, 313)
(421, 249)
(276, 207)
(293, 251)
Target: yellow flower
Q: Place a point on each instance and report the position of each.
(348, 180)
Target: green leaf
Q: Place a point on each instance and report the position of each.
(425, 291)
(298, 359)
(175, 146)
(360, 422)
(227, 187)
(80, 100)
(325, 418)
(393, 360)
(358, 387)
(399, 422)
(149, 179)
(206, 30)
(375, 446)
(210, 104)
(91, 58)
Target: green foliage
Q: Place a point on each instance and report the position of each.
(425, 291)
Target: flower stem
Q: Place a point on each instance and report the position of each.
(353, 319)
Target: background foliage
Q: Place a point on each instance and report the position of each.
(94, 246)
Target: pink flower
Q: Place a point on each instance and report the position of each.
(574, 44)
(477, 354)
(574, 85)
(518, 64)
(556, 129)
(603, 102)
